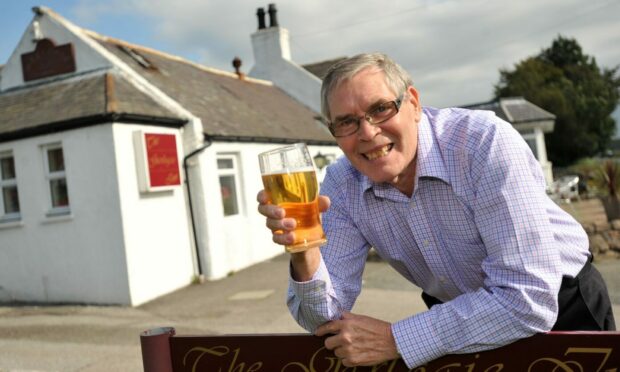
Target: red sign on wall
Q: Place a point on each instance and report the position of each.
(162, 159)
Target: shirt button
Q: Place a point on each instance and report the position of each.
(442, 279)
(426, 242)
(412, 204)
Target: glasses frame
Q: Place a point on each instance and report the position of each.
(358, 120)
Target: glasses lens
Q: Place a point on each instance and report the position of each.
(382, 112)
(344, 127)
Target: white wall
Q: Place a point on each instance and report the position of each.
(236, 242)
(117, 246)
(155, 224)
(74, 258)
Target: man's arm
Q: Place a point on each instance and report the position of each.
(522, 266)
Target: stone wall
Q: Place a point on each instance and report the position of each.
(604, 239)
(604, 236)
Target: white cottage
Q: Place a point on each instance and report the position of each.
(127, 173)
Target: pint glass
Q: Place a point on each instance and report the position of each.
(290, 181)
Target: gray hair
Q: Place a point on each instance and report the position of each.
(396, 78)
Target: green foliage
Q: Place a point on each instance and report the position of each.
(602, 176)
(568, 83)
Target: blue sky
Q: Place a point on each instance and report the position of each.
(452, 48)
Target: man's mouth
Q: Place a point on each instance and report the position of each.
(379, 153)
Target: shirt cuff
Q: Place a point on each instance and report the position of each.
(416, 339)
(314, 290)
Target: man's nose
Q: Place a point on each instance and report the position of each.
(367, 131)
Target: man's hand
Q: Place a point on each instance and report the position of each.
(359, 340)
(304, 264)
(282, 227)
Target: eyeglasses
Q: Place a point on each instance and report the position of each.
(377, 114)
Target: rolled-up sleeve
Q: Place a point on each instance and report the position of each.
(313, 302)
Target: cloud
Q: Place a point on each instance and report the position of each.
(452, 48)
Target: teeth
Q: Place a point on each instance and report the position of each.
(379, 153)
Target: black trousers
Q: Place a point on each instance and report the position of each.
(583, 300)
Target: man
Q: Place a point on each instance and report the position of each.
(455, 201)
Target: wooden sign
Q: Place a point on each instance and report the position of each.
(163, 351)
(157, 161)
(47, 59)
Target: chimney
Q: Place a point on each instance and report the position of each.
(270, 44)
(260, 13)
(273, 18)
(237, 65)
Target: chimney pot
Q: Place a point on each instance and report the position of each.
(260, 13)
(237, 64)
(273, 19)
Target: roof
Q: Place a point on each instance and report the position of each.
(319, 69)
(229, 107)
(515, 110)
(72, 103)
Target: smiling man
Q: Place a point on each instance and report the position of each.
(453, 200)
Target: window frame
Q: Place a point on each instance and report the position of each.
(54, 176)
(234, 171)
(5, 183)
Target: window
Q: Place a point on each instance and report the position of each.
(9, 200)
(227, 170)
(56, 179)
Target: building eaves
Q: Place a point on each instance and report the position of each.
(515, 110)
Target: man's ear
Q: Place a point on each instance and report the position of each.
(414, 98)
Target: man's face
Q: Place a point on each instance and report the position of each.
(386, 152)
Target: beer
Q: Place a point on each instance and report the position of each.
(297, 193)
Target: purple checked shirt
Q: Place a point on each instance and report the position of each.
(478, 233)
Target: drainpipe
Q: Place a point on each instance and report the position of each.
(207, 143)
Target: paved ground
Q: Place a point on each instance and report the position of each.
(95, 338)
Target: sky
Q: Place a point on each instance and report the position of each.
(453, 49)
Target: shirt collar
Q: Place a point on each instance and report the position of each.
(429, 162)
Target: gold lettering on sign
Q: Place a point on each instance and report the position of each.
(470, 367)
(390, 364)
(220, 351)
(324, 361)
(160, 159)
(573, 365)
(172, 178)
(334, 364)
(302, 367)
(217, 351)
(151, 141)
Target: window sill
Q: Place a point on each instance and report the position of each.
(58, 216)
(10, 223)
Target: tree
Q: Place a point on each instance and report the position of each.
(568, 83)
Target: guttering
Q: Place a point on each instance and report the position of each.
(200, 149)
(255, 139)
(85, 121)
